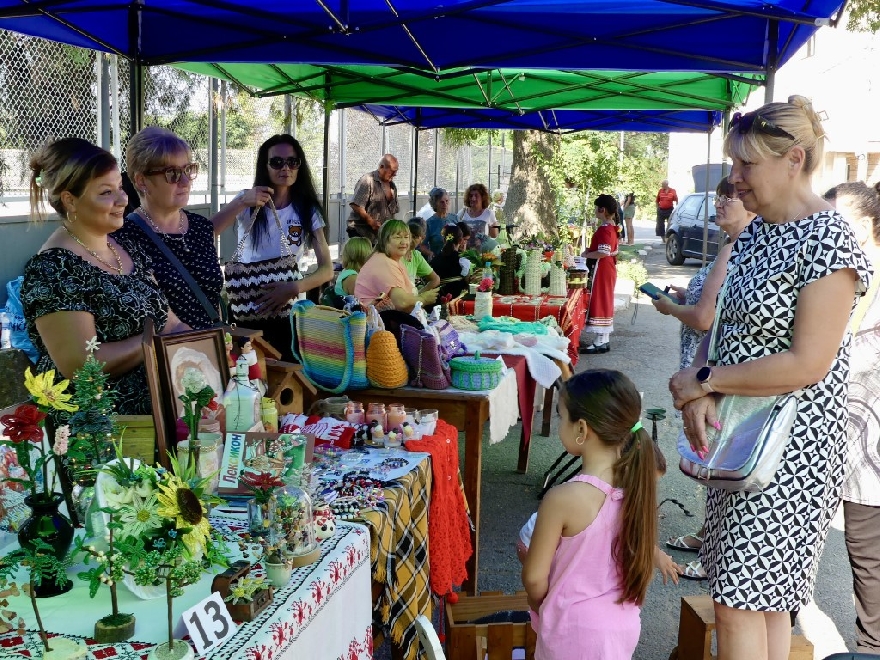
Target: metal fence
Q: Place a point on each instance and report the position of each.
(49, 90)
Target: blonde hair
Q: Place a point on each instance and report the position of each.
(356, 252)
(68, 165)
(149, 149)
(387, 230)
(796, 117)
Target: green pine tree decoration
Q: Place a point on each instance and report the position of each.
(93, 426)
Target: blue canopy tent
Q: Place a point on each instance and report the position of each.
(555, 121)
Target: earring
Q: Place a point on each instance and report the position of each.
(580, 440)
(72, 219)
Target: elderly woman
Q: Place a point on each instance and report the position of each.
(283, 174)
(478, 215)
(439, 200)
(792, 281)
(84, 283)
(383, 281)
(860, 204)
(161, 169)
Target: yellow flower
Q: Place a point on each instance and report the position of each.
(46, 393)
(177, 502)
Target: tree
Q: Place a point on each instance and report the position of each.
(645, 157)
(864, 15)
(531, 201)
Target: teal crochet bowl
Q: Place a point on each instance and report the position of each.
(473, 372)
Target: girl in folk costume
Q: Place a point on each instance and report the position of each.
(603, 248)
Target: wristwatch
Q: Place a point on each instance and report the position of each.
(704, 375)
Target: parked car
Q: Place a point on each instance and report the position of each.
(684, 235)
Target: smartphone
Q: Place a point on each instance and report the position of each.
(655, 292)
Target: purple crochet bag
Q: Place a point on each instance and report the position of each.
(450, 345)
(427, 367)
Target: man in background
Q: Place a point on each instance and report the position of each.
(667, 198)
(374, 200)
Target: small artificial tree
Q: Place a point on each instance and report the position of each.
(43, 566)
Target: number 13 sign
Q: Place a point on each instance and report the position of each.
(209, 623)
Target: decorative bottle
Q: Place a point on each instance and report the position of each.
(241, 400)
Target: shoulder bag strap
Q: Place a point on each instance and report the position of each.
(285, 248)
(212, 312)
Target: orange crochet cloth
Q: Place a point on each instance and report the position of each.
(449, 534)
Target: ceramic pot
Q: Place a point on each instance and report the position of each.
(278, 574)
(482, 304)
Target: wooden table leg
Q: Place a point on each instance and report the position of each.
(522, 465)
(476, 415)
(548, 409)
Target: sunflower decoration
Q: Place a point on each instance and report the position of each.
(179, 503)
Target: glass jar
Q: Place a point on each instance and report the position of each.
(261, 518)
(210, 457)
(354, 413)
(396, 416)
(269, 415)
(376, 411)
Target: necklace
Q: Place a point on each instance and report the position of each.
(143, 212)
(117, 267)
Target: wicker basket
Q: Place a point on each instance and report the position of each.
(475, 373)
(577, 279)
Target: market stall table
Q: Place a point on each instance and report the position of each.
(323, 612)
(570, 313)
(467, 411)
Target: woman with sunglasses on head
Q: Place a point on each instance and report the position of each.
(793, 278)
(85, 284)
(160, 167)
(284, 177)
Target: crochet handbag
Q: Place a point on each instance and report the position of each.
(330, 345)
(745, 454)
(422, 354)
(245, 282)
(450, 344)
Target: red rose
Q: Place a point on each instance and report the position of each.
(24, 424)
(212, 404)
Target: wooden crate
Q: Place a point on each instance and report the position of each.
(466, 640)
(138, 437)
(695, 626)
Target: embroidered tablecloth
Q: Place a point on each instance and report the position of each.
(323, 612)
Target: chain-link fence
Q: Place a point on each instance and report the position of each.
(49, 90)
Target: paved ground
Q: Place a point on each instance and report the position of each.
(645, 347)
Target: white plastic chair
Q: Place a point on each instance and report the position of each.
(428, 639)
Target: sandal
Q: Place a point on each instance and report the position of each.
(679, 543)
(693, 570)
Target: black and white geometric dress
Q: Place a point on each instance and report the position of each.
(761, 550)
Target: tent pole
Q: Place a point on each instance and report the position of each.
(325, 179)
(223, 90)
(489, 182)
(114, 111)
(213, 152)
(414, 172)
(436, 154)
(135, 72)
(706, 196)
(772, 46)
(725, 124)
(103, 62)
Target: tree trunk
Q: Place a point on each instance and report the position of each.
(530, 199)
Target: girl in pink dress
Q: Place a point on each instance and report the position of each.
(591, 555)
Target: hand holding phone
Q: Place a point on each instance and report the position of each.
(654, 292)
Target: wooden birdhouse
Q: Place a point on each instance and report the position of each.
(288, 387)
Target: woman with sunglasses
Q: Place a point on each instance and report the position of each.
(793, 278)
(160, 167)
(283, 175)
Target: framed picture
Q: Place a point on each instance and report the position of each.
(204, 350)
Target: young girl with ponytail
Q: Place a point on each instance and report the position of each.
(591, 556)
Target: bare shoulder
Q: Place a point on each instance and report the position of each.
(579, 501)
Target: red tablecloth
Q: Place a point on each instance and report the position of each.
(571, 315)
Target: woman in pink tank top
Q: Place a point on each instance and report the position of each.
(591, 555)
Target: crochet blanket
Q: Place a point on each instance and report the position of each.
(449, 534)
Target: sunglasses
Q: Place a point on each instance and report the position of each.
(173, 174)
(723, 200)
(278, 163)
(745, 123)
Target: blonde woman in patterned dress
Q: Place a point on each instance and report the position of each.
(793, 278)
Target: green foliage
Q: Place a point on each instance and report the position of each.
(645, 156)
(462, 137)
(864, 15)
(632, 270)
(40, 562)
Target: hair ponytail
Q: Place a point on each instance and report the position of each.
(636, 473)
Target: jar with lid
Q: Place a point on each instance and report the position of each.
(376, 411)
(396, 416)
(354, 413)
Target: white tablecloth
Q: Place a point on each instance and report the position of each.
(325, 611)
